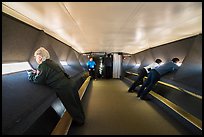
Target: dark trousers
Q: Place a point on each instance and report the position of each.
(139, 79)
(109, 72)
(147, 86)
(71, 101)
(92, 73)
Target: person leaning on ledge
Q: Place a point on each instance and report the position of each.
(143, 72)
(51, 74)
(154, 76)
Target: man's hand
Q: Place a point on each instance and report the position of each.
(34, 71)
(37, 72)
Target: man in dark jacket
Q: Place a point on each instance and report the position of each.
(51, 74)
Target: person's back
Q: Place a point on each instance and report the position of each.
(155, 74)
(143, 72)
(167, 67)
(52, 75)
(151, 66)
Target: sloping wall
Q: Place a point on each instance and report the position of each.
(23, 102)
(21, 40)
(17, 40)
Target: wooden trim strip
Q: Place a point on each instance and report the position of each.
(189, 117)
(172, 86)
(195, 121)
(63, 125)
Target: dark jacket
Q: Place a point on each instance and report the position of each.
(52, 75)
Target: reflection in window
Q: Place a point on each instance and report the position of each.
(63, 63)
(137, 65)
(179, 64)
(162, 63)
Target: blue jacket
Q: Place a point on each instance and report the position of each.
(91, 64)
(167, 67)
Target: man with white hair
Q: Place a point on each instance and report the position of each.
(51, 74)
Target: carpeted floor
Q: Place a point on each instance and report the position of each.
(111, 110)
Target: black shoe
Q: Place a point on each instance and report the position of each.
(144, 98)
(138, 95)
(75, 123)
(130, 90)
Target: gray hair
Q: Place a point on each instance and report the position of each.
(42, 52)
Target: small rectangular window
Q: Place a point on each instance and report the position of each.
(137, 65)
(161, 63)
(63, 63)
(179, 64)
(15, 67)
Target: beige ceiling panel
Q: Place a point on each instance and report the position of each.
(52, 16)
(182, 30)
(160, 20)
(100, 22)
(128, 27)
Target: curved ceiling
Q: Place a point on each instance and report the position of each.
(128, 27)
